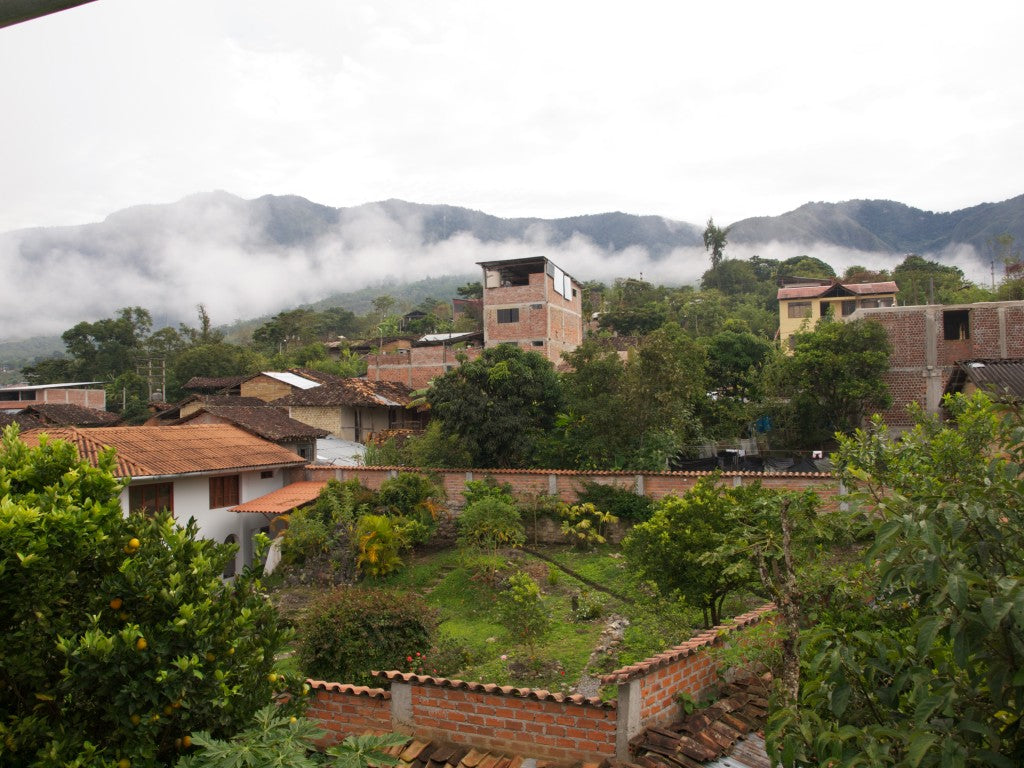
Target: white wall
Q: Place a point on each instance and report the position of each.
(192, 499)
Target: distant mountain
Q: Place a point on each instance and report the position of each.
(248, 258)
(886, 226)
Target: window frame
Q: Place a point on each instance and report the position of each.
(225, 488)
(148, 497)
(508, 315)
(806, 309)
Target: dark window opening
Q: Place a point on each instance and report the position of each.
(508, 315)
(849, 307)
(956, 324)
(151, 498)
(538, 343)
(223, 491)
(269, 473)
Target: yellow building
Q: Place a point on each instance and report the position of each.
(803, 304)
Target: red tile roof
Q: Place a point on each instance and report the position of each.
(859, 289)
(352, 392)
(70, 415)
(283, 500)
(178, 450)
(261, 420)
(504, 690)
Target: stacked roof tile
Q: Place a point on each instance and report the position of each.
(726, 729)
(70, 415)
(352, 392)
(263, 421)
(177, 450)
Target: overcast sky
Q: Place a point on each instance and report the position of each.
(515, 108)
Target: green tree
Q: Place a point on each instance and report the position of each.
(499, 405)
(490, 523)
(921, 281)
(523, 612)
(833, 379)
(120, 637)
(921, 663)
(631, 414)
(671, 549)
(715, 239)
(806, 266)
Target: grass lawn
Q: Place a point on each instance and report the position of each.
(463, 587)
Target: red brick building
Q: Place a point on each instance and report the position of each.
(532, 303)
(928, 341)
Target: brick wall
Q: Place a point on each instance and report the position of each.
(346, 709)
(265, 388)
(566, 483)
(417, 367)
(527, 722)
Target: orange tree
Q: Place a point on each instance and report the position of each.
(119, 637)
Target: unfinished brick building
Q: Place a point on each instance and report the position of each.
(928, 341)
(529, 302)
(532, 303)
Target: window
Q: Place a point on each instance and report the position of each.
(849, 307)
(956, 324)
(799, 309)
(508, 315)
(538, 343)
(870, 303)
(223, 491)
(269, 473)
(151, 498)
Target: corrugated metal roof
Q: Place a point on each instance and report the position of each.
(1002, 379)
(838, 289)
(292, 379)
(65, 385)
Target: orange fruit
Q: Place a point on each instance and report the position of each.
(210, 656)
(116, 603)
(135, 719)
(272, 677)
(124, 762)
(186, 741)
(141, 644)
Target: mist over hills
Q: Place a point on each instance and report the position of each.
(248, 258)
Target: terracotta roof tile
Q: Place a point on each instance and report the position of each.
(501, 690)
(213, 383)
(176, 450)
(623, 674)
(283, 500)
(23, 420)
(355, 690)
(70, 415)
(362, 392)
(263, 421)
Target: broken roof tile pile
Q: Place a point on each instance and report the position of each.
(427, 754)
(22, 419)
(352, 392)
(176, 450)
(722, 734)
(264, 421)
(70, 415)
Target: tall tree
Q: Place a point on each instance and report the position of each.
(916, 659)
(714, 242)
(833, 379)
(499, 405)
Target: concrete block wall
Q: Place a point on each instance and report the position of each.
(417, 366)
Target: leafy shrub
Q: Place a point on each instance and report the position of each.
(523, 612)
(377, 546)
(411, 494)
(621, 502)
(488, 488)
(305, 537)
(349, 632)
(491, 523)
(584, 524)
(586, 607)
(119, 636)
(386, 454)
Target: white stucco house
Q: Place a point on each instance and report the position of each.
(199, 471)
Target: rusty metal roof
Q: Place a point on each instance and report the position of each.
(838, 289)
(1002, 379)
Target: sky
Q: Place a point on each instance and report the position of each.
(549, 109)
